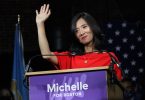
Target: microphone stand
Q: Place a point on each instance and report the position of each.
(113, 77)
(28, 67)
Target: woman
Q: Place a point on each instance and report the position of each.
(84, 51)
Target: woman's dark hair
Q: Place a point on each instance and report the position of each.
(98, 36)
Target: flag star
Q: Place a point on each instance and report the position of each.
(140, 54)
(125, 55)
(117, 32)
(118, 48)
(132, 47)
(126, 71)
(133, 62)
(124, 24)
(132, 31)
(124, 40)
(139, 38)
(110, 41)
(134, 78)
(141, 70)
(109, 25)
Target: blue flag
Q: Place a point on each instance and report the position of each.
(18, 88)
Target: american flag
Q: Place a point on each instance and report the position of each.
(126, 39)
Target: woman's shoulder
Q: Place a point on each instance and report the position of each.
(110, 53)
(105, 52)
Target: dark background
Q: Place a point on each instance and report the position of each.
(58, 25)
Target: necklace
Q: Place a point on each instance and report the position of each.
(85, 58)
(86, 61)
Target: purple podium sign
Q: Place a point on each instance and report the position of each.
(88, 85)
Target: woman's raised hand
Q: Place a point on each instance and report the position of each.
(43, 14)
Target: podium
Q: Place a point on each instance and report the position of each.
(69, 84)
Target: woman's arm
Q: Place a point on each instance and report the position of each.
(41, 17)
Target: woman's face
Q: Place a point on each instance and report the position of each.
(83, 32)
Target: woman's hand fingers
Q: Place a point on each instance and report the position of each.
(43, 14)
(36, 12)
(47, 9)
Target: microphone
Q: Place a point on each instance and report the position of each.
(113, 59)
(27, 68)
(29, 62)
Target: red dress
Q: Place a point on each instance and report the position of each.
(87, 60)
